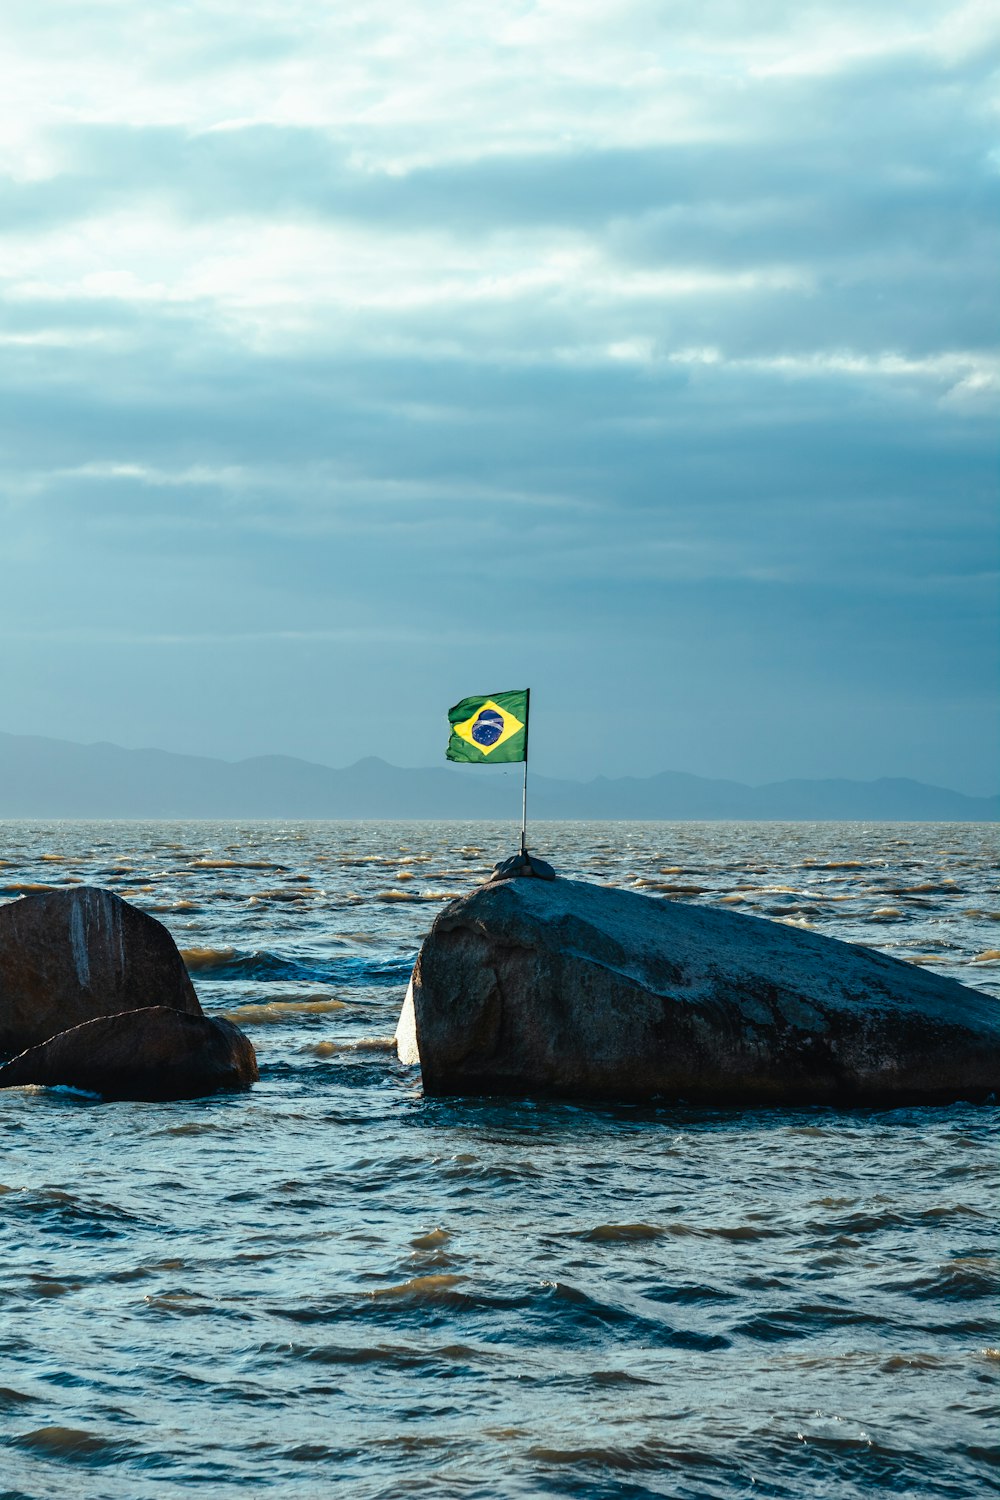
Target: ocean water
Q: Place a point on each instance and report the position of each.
(332, 1281)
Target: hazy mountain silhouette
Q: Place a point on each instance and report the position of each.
(47, 778)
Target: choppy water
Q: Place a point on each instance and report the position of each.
(332, 1280)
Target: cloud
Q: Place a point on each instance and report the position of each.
(656, 337)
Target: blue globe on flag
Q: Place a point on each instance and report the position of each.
(488, 727)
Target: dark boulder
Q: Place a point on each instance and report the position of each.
(535, 986)
(154, 1053)
(68, 956)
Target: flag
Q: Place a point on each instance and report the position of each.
(489, 729)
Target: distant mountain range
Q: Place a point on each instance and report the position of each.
(46, 778)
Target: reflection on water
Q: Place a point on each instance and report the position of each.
(332, 1279)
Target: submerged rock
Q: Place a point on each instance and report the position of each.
(153, 1053)
(561, 987)
(68, 956)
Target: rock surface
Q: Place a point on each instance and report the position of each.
(68, 956)
(520, 866)
(560, 987)
(153, 1053)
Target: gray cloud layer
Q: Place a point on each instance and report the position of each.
(643, 358)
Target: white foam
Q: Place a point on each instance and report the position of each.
(406, 1032)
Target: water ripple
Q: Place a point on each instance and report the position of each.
(332, 1281)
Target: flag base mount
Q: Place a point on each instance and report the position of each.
(520, 865)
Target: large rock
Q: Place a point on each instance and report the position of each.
(67, 956)
(155, 1053)
(559, 987)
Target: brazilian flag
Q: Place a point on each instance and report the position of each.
(489, 729)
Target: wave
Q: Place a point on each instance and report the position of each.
(397, 895)
(423, 1288)
(854, 1463)
(806, 1321)
(43, 1286)
(207, 958)
(736, 1233)
(690, 1294)
(73, 1444)
(558, 1309)
(194, 1305)
(264, 964)
(298, 895)
(871, 1221)
(355, 1044)
(926, 888)
(451, 1359)
(617, 1233)
(577, 1313)
(665, 888)
(651, 1456)
(67, 1213)
(432, 1240)
(959, 1280)
(237, 864)
(271, 1012)
(11, 1400)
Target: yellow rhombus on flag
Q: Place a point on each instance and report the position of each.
(489, 729)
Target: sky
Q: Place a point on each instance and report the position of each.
(355, 358)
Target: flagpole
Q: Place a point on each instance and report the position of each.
(524, 789)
